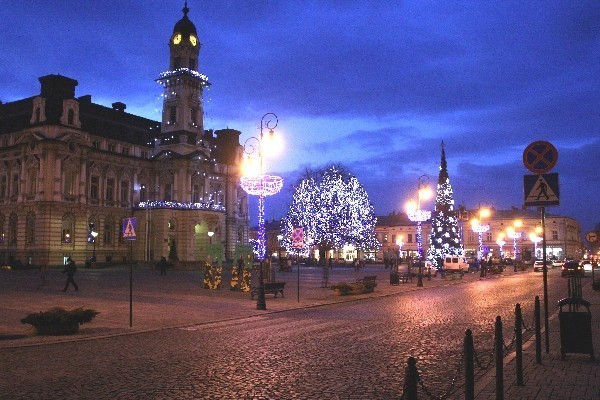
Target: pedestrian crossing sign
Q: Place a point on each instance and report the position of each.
(541, 190)
(129, 228)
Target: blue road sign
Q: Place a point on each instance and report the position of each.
(541, 190)
(129, 228)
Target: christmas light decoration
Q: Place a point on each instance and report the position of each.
(444, 238)
(334, 211)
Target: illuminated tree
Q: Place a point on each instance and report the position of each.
(444, 236)
(333, 209)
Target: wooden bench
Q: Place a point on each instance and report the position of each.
(273, 288)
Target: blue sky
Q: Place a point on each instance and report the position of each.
(373, 85)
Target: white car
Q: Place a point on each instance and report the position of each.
(538, 266)
(557, 263)
(588, 264)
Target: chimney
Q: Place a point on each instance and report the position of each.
(119, 106)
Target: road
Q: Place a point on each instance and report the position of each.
(353, 350)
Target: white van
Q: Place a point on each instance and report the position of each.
(455, 264)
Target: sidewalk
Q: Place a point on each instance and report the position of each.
(178, 300)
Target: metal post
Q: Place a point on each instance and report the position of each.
(538, 331)
(420, 274)
(298, 267)
(499, 353)
(469, 366)
(260, 302)
(546, 325)
(411, 378)
(519, 344)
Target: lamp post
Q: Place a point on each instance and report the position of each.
(480, 228)
(535, 239)
(210, 235)
(514, 235)
(415, 214)
(255, 183)
(94, 235)
(501, 242)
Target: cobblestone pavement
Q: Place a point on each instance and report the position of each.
(196, 343)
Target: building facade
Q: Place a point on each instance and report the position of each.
(398, 235)
(71, 173)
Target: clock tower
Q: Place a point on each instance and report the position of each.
(182, 113)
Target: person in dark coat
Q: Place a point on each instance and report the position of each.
(162, 265)
(70, 270)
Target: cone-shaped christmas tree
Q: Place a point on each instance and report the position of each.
(444, 237)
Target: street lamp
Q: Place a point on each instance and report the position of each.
(255, 183)
(94, 235)
(400, 243)
(210, 235)
(480, 228)
(514, 235)
(415, 214)
(536, 239)
(501, 242)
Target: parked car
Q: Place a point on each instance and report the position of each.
(557, 263)
(538, 266)
(588, 265)
(455, 264)
(572, 268)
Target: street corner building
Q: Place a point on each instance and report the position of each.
(73, 171)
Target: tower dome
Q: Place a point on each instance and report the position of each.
(184, 25)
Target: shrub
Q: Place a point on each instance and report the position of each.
(343, 288)
(58, 321)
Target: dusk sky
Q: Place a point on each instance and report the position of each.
(373, 85)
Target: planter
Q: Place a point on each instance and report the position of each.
(67, 328)
(58, 321)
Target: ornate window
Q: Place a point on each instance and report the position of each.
(3, 186)
(168, 192)
(125, 192)
(68, 224)
(12, 228)
(14, 190)
(30, 228)
(143, 192)
(110, 189)
(108, 230)
(94, 187)
(69, 183)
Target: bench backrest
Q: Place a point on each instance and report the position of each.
(274, 285)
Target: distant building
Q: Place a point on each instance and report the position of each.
(398, 235)
(72, 171)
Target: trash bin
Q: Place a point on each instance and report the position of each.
(394, 278)
(575, 327)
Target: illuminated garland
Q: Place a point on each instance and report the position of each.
(184, 71)
(266, 185)
(212, 206)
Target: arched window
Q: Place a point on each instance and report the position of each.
(30, 228)
(68, 227)
(12, 228)
(109, 230)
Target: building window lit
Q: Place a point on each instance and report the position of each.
(68, 224)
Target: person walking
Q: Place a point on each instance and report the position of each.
(162, 265)
(70, 270)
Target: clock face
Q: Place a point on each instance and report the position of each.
(193, 40)
(177, 38)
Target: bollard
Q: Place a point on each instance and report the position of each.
(519, 344)
(411, 378)
(469, 352)
(538, 331)
(499, 352)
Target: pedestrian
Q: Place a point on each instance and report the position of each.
(330, 262)
(162, 265)
(43, 274)
(482, 266)
(70, 270)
